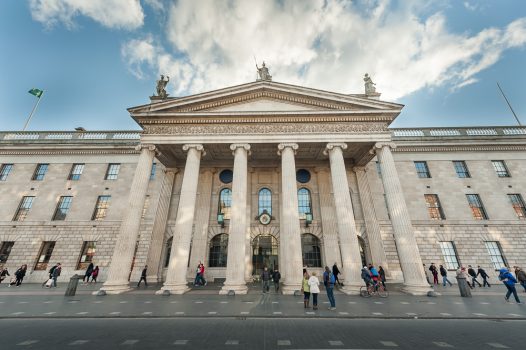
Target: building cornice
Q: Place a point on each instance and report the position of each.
(459, 148)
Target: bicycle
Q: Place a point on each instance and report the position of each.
(370, 290)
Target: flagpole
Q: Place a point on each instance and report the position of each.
(32, 112)
(509, 105)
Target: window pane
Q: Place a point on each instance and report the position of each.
(76, 171)
(433, 207)
(225, 202)
(23, 208)
(500, 168)
(45, 255)
(40, 172)
(310, 247)
(450, 255)
(63, 206)
(476, 206)
(101, 208)
(304, 202)
(265, 201)
(218, 251)
(5, 250)
(518, 205)
(112, 172)
(422, 170)
(461, 168)
(154, 169)
(4, 171)
(86, 255)
(495, 254)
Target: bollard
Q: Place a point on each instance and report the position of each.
(465, 291)
(72, 285)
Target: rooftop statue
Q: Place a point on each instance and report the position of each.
(263, 72)
(161, 85)
(369, 85)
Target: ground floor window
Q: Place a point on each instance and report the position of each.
(46, 250)
(86, 255)
(264, 253)
(450, 255)
(5, 250)
(495, 253)
(310, 247)
(218, 251)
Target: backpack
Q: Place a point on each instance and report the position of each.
(332, 278)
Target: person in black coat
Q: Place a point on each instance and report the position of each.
(484, 275)
(87, 275)
(3, 274)
(381, 273)
(443, 273)
(336, 272)
(143, 277)
(473, 275)
(276, 276)
(19, 275)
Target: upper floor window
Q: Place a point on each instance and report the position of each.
(479, 213)
(225, 202)
(264, 201)
(154, 169)
(113, 172)
(518, 205)
(76, 171)
(4, 171)
(422, 170)
(101, 208)
(5, 250)
(23, 208)
(64, 203)
(500, 168)
(461, 168)
(433, 207)
(40, 172)
(304, 202)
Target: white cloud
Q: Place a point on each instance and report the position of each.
(323, 44)
(126, 14)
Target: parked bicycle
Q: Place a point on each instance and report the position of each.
(372, 289)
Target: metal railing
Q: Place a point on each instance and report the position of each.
(458, 132)
(69, 135)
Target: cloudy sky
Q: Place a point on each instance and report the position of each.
(95, 58)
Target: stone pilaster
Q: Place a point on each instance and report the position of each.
(328, 218)
(374, 237)
(235, 268)
(176, 276)
(414, 278)
(159, 226)
(290, 232)
(117, 281)
(349, 246)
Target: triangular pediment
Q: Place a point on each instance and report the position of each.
(264, 104)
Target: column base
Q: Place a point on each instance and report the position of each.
(416, 289)
(114, 288)
(237, 288)
(173, 289)
(351, 288)
(290, 289)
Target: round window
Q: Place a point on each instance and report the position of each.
(302, 176)
(226, 176)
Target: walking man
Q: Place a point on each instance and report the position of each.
(143, 277)
(336, 272)
(265, 278)
(443, 273)
(484, 275)
(473, 274)
(328, 281)
(56, 273)
(509, 281)
(276, 277)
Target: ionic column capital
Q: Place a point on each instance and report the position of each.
(284, 145)
(146, 146)
(199, 147)
(332, 145)
(235, 146)
(380, 145)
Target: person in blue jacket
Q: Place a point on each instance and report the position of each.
(509, 281)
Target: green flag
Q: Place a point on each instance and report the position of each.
(36, 92)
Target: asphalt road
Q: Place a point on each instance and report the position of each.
(261, 333)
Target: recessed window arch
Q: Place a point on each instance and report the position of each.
(264, 201)
(218, 251)
(225, 202)
(311, 250)
(304, 202)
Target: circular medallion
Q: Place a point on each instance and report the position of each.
(265, 219)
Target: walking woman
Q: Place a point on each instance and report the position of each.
(19, 274)
(94, 274)
(381, 272)
(314, 285)
(305, 288)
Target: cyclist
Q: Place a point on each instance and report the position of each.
(366, 276)
(374, 276)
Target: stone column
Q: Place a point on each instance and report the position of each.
(349, 246)
(121, 261)
(290, 235)
(235, 268)
(159, 226)
(328, 219)
(374, 237)
(176, 276)
(414, 277)
(248, 249)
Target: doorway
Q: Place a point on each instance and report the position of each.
(264, 253)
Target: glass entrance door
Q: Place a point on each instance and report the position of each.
(264, 253)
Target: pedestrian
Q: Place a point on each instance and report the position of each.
(336, 272)
(374, 276)
(305, 289)
(509, 281)
(197, 275)
(484, 275)
(473, 275)
(425, 273)
(328, 281)
(143, 277)
(314, 285)
(304, 268)
(381, 272)
(434, 272)
(265, 279)
(49, 281)
(88, 273)
(366, 276)
(276, 276)
(3, 274)
(94, 274)
(56, 272)
(202, 280)
(521, 277)
(19, 276)
(443, 273)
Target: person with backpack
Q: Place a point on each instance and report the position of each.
(374, 276)
(328, 281)
(484, 275)
(443, 273)
(509, 281)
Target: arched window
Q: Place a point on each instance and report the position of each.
(168, 251)
(264, 201)
(218, 251)
(225, 202)
(304, 203)
(310, 247)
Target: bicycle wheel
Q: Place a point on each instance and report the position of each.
(382, 292)
(364, 292)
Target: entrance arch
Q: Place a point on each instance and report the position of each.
(264, 253)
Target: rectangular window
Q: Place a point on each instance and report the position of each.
(86, 255)
(476, 207)
(45, 255)
(450, 255)
(101, 208)
(40, 172)
(23, 208)
(154, 168)
(76, 171)
(518, 205)
(5, 250)
(112, 172)
(64, 203)
(4, 171)
(461, 168)
(433, 207)
(495, 253)
(500, 168)
(422, 170)
(378, 169)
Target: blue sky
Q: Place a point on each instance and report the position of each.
(96, 58)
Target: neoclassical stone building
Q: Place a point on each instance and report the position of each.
(262, 174)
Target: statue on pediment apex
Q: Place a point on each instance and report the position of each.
(161, 85)
(263, 72)
(369, 85)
